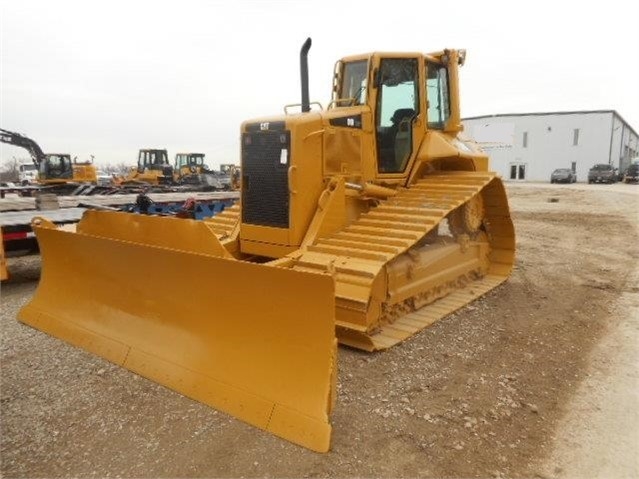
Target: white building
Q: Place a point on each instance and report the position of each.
(529, 146)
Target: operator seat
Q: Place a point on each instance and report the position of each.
(394, 141)
(402, 121)
(402, 114)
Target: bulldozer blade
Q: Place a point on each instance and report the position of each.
(255, 341)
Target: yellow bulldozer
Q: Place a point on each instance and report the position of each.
(364, 223)
(153, 168)
(187, 164)
(190, 169)
(234, 174)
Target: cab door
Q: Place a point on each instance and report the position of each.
(397, 114)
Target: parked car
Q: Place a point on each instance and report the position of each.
(104, 179)
(602, 173)
(563, 175)
(632, 174)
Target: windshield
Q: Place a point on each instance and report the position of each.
(353, 84)
(562, 170)
(58, 161)
(56, 166)
(29, 167)
(602, 167)
(152, 157)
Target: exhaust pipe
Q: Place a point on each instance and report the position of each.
(306, 106)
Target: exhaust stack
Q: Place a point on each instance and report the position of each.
(306, 106)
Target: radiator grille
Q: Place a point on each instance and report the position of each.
(265, 162)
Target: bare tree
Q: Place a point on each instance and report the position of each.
(9, 170)
(117, 169)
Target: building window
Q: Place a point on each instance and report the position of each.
(575, 137)
(573, 166)
(517, 171)
(525, 140)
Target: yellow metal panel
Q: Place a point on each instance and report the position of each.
(331, 212)
(262, 347)
(4, 272)
(306, 181)
(267, 250)
(342, 151)
(84, 172)
(177, 233)
(264, 234)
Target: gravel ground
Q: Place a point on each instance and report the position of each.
(495, 390)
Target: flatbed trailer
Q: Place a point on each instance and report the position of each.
(29, 203)
(16, 214)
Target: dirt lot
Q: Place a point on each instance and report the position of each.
(537, 379)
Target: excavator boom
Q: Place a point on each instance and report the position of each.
(30, 145)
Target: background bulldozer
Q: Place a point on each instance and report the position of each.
(153, 168)
(232, 174)
(190, 169)
(364, 222)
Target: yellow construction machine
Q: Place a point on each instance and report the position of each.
(189, 164)
(4, 271)
(190, 169)
(234, 173)
(364, 222)
(153, 168)
(54, 169)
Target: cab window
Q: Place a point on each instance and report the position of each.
(438, 96)
(397, 107)
(352, 90)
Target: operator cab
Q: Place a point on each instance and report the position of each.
(56, 166)
(404, 103)
(192, 161)
(156, 160)
(227, 169)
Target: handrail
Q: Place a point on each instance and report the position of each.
(291, 105)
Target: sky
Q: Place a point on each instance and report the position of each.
(109, 78)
